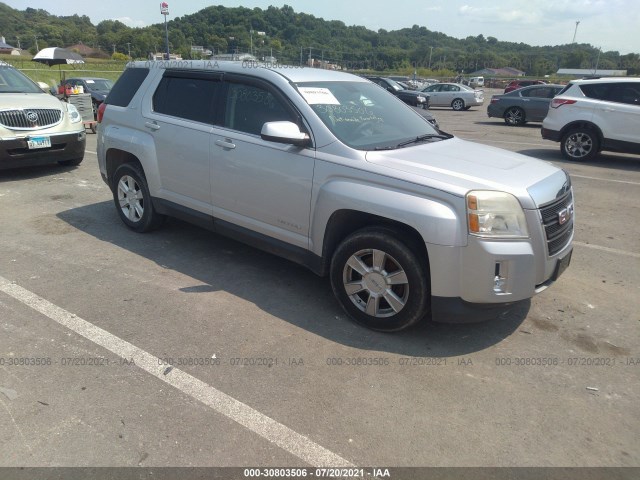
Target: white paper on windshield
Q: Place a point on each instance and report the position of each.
(90, 81)
(318, 95)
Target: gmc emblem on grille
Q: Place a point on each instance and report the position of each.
(32, 117)
(565, 215)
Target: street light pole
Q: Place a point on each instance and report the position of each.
(575, 32)
(430, 53)
(164, 10)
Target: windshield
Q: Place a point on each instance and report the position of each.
(364, 116)
(99, 84)
(396, 86)
(13, 81)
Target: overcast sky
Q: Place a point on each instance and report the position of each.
(609, 24)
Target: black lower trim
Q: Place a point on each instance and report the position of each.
(15, 153)
(456, 310)
(620, 146)
(171, 209)
(551, 135)
(268, 244)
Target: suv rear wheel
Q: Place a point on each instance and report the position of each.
(133, 200)
(580, 144)
(379, 281)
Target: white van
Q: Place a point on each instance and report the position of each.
(476, 82)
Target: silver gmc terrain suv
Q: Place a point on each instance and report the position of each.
(331, 171)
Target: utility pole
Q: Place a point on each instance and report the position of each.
(129, 49)
(430, 53)
(36, 37)
(575, 31)
(18, 38)
(114, 47)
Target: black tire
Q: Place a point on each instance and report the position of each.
(514, 117)
(580, 144)
(133, 200)
(395, 290)
(458, 104)
(467, 108)
(71, 163)
(94, 107)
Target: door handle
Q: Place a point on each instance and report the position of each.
(152, 125)
(226, 143)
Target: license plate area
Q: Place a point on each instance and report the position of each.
(38, 142)
(562, 265)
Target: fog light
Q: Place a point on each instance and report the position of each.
(500, 278)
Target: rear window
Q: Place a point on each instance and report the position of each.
(567, 87)
(126, 86)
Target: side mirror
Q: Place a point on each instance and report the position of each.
(284, 132)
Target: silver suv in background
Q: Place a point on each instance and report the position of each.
(595, 114)
(332, 172)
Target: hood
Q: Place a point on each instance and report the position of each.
(460, 166)
(29, 100)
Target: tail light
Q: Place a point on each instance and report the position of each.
(558, 102)
(101, 109)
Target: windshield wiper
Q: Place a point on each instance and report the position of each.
(422, 138)
(387, 147)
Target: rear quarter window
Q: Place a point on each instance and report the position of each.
(599, 91)
(126, 86)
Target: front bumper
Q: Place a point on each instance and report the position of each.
(483, 279)
(14, 152)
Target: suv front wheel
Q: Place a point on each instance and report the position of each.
(133, 200)
(580, 144)
(379, 281)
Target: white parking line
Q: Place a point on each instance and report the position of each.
(89, 151)
(607, 249)
(266, 427)
(604, 179)
(541, 145)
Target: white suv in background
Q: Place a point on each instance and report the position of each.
(595, 114)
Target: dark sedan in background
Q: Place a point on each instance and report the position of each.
(416, 99)
(527, 104)
(99, 88)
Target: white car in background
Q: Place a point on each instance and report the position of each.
(454, 95)
(35, 127)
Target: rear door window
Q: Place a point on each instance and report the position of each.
(187, 96)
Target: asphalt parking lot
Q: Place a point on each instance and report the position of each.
(183, 348)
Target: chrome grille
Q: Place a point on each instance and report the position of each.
(22, 118)
(558, 235)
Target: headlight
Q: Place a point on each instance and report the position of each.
(74, 114)
(421, 99)
(495, 215)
